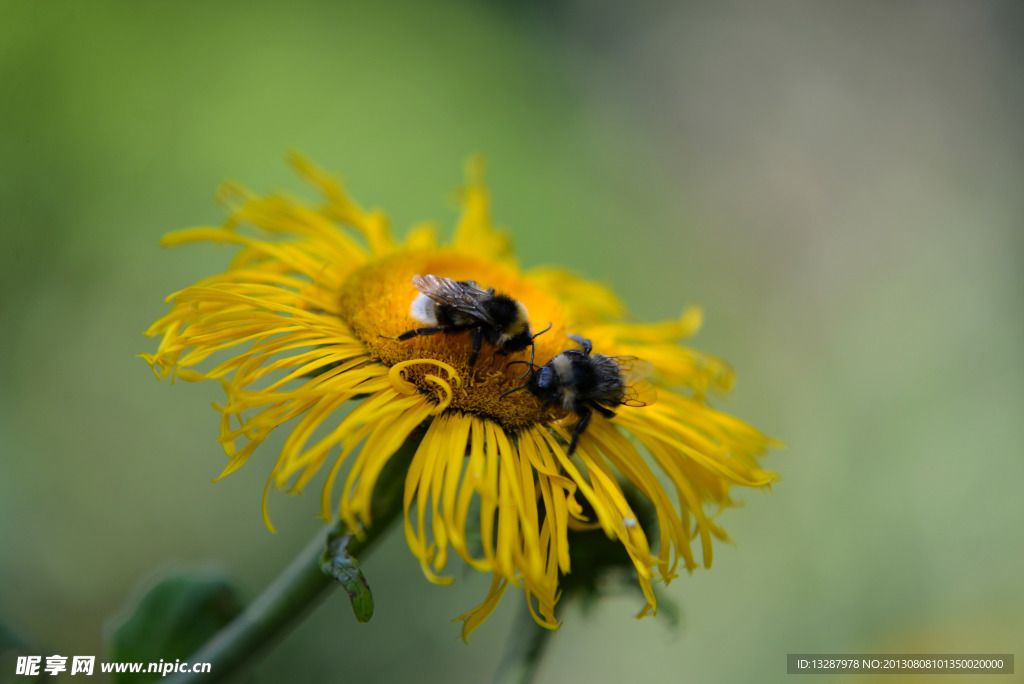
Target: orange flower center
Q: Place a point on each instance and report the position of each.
(376, 301)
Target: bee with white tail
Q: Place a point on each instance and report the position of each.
(454, 306)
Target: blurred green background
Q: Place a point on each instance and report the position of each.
(839, 184)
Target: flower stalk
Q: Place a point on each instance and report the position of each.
(300, 587)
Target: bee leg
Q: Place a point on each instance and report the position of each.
(409, 334)
(584, 414)
(606, 412)
(477, 338)
(583, 342)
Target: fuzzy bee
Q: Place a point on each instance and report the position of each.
(582, 382)
(454, 306)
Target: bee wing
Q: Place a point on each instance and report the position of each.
(633, 369)
(638, 391)
(464, 296)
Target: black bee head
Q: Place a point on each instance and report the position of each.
(543, 383)
(519, 342)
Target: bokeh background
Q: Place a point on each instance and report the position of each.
(838, 184)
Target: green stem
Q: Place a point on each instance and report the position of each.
(524, 650)
(300, 587)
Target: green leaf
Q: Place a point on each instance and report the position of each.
(337, 563)
(176, 616)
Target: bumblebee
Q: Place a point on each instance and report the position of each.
(454, 306)
(582, 382)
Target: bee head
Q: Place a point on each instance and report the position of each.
(543, 380)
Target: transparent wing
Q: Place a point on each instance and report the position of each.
(465, 296)
(633, 369)
(638, 391)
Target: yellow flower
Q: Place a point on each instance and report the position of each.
(307, 307)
